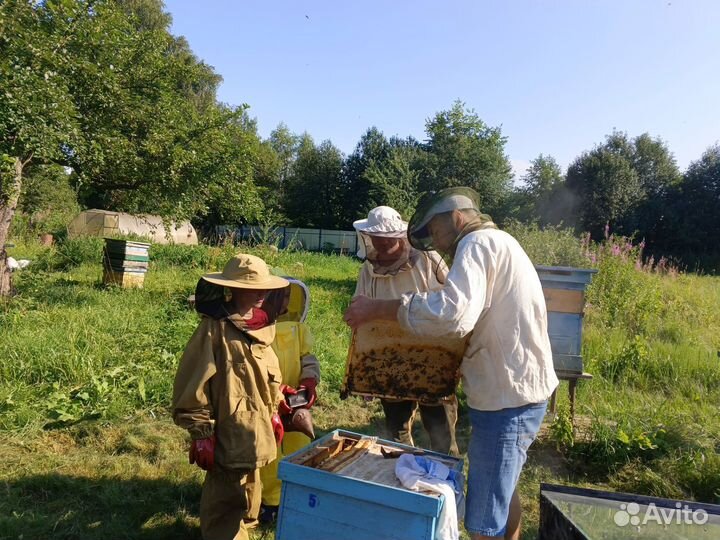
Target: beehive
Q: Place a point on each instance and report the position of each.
(342, 486)
(385, 361)
(564, 290)
(125, 263)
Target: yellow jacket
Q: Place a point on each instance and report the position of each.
(228, 383)
(293, 339)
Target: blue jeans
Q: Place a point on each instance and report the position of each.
(498, 449)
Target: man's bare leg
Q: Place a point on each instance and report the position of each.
(512, 530)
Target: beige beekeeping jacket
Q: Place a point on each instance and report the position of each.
(228, 383)
(423, 276)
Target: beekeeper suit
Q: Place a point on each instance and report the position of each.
(393, 268)
(226, 394)
(300, 370)
(493, 295)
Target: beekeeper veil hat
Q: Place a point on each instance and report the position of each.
(382, 240)
(435, 203)
(381, 221)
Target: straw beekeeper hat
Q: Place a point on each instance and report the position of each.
(246, 272)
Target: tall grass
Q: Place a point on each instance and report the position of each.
(87, 369)
(652, 341)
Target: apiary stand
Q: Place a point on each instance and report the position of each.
(572, 379)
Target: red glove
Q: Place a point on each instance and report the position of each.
(283, 408)
(310, 385)
(278, 428)
(287, 390)
(202, 452)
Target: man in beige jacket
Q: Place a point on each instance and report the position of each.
(392, 268)
(227, 392)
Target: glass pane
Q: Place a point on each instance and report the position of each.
(606, 519)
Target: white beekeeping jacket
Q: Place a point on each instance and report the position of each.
(493, 291)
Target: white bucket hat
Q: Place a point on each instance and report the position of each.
(382, 221)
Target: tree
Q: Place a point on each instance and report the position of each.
(463, 151)
(38, 120)
(655, 165)
(606, 187)
(690, 228)
(542, 177)
(229, 193)
(621, 183)
(108, 92)
(278, 154)
(658, 175)
(395, 180)
(313, 189)
(372, 150)
(154, 134)
(147, 14)
(539, 198)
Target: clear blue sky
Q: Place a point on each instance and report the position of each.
(557, 76)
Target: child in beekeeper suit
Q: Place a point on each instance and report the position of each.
(228, 394)
(300, 370)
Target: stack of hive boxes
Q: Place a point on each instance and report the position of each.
(125, 263)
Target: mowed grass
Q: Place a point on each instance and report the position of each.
(88, 449)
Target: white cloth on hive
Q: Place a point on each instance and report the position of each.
(422, 473)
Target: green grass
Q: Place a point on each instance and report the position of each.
(88, 449)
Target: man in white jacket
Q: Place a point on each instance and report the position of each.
(493, 291)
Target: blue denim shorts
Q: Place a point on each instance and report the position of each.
(498, 449)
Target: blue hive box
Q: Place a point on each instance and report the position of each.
(339, 487)
(564, 290)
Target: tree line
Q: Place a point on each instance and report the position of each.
(101, 88)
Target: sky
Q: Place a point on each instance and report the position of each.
(556, 76)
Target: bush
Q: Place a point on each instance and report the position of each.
(70, 253)
(200, 256)
(550, 246)
(608, 448)
(630, 359)
(621, 295)
(691, 475)
(47, 202)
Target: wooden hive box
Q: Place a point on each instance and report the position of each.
(385, 361)
(125, 263)
(341, 487)
(125, 279)
(564, 290)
